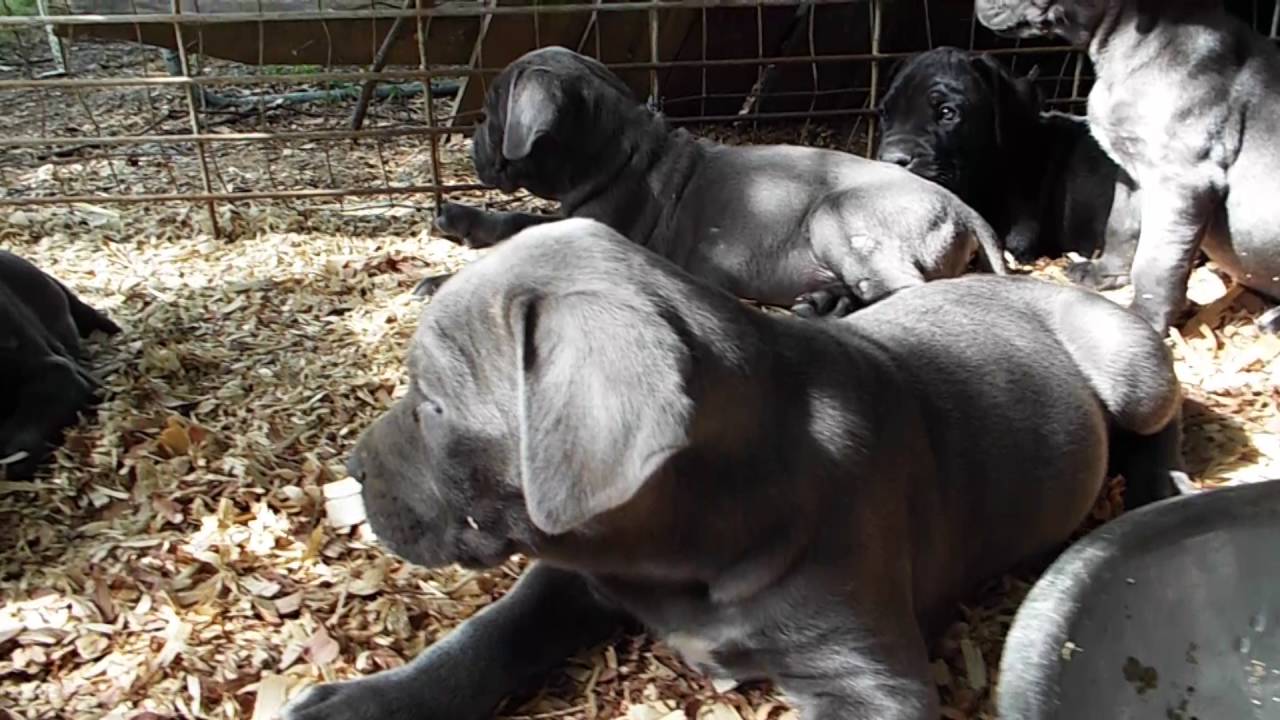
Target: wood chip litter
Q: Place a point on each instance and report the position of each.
(195, 549)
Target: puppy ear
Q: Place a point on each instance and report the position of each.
(602, 401)
(1028, 92)
(993, 75)
(532, 105)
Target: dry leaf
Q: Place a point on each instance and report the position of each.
(273, 690)
(289, 604)
(174, 437)
(321, 649)
(259, 587)
(975, 666)
(718, 711)
(654, 711)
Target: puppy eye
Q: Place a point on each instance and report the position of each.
(431, 407)
(948, 113)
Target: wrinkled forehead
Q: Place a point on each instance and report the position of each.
(435, 355)
(459, 354)
(921, 81)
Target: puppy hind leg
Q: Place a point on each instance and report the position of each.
(1151, 464)
(1269, 321)
(1111, 270)
(1174, 220)
(833, 301)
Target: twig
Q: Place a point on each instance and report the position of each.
(379, 62)
(768, 77)
(275, 100)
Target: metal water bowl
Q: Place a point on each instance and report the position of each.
(1171, 612)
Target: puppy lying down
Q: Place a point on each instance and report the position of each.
(45, 381)
(1041, 180)
(774, 497)
(820, 231)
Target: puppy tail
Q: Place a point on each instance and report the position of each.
(990, 249)
(86, 318)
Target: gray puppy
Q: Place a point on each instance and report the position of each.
(46, 383)
(1187, 101)
(817, 230)
(1041, 180)
(775, 498)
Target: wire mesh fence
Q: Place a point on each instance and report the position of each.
(221, 101)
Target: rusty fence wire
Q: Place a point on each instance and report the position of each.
(222, 101)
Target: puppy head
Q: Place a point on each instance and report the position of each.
(549, 381)
(549, 118)
(947, 115)
(1073, 20)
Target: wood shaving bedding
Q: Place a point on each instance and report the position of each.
(177, 559)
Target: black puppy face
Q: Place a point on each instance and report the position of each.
(1073, 20)
(944, 116)
(549, 118)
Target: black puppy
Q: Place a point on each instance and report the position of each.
(46, 383)
(1040, 179)
(816, 230)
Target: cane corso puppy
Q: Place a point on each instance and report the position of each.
(1040, 179)
(817, 230)
(46, 383)
(1187, 101)
(774, 497)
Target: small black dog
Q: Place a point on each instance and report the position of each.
(1040, 179)
(46, 383)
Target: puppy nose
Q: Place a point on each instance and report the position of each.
(897, 156)
(354, 467)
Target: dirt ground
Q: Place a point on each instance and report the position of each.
(175, 560)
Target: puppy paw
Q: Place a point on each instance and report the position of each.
(1095, 276)
(1269, 321)
(17, 463)
(827, 303)
(372, 698)
(1183, 483)
(454, 221)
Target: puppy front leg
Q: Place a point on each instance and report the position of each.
(549, 615)
(484, 228)
(853, 673)
(476, 228)
(1174, 219)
